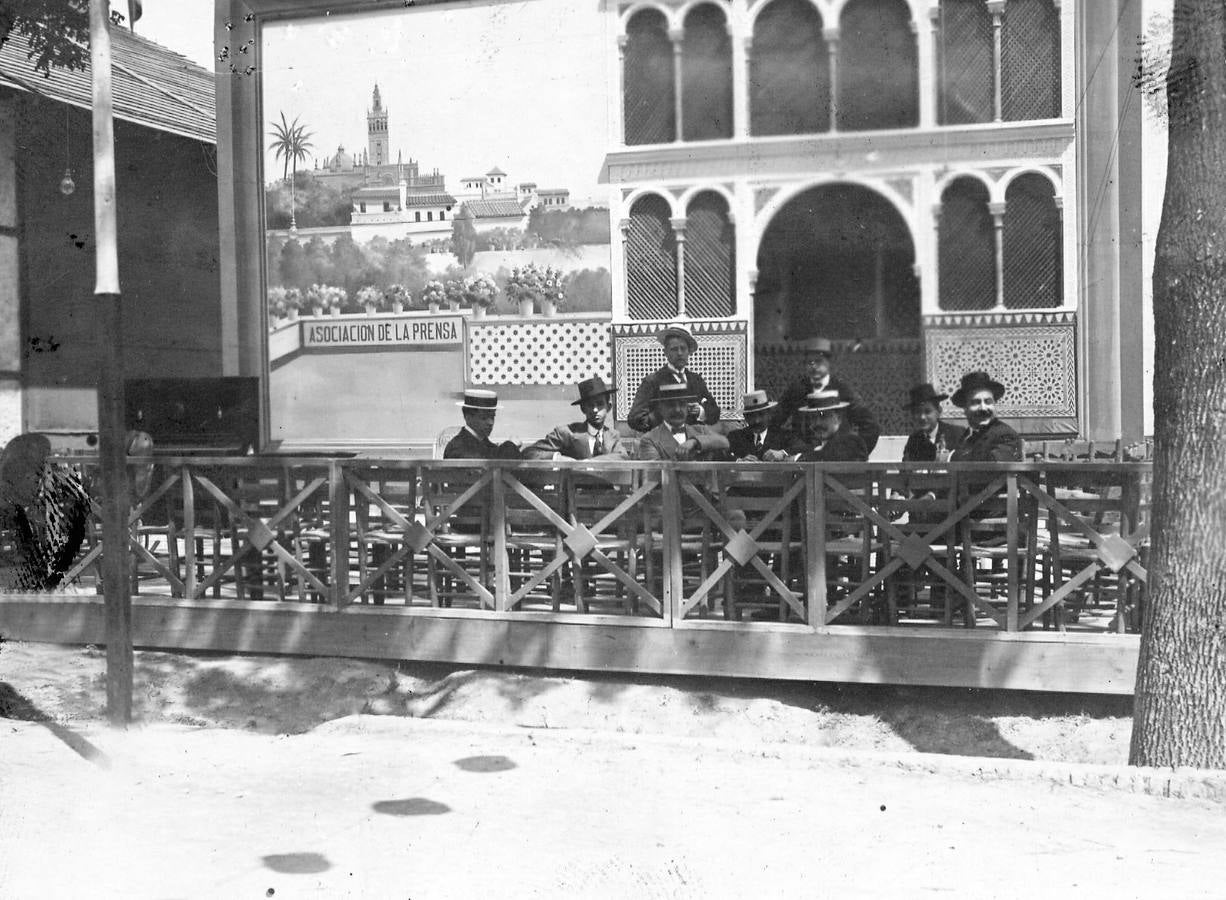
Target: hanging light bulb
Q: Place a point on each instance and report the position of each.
(67, 185)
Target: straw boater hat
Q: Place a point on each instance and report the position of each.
(823, 401)
(677, 331)
(977, 381)
(479, 400)
(593, 387)
(674, 392)
(814, 345)
(925, 393)
(757, 401)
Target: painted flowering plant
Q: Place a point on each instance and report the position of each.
(396, 293)
(434, 292)
(326, 297)
(480, 290)
(536, 283)
(453, 290)
(372, 296)
(282, 299)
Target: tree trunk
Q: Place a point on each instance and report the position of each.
(1180, 710)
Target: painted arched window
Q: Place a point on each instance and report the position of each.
(878, 77)
(710, 287)
(647, 96)
(651, 260)
(789, 71)
(1030, 60)
(706, 75)
(966, 71)
(966, 247)
(1033, 260)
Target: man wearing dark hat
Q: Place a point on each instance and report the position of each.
(473, 442)
(675, 437)
(858, 418)
(822, 432)
(932, 437)
(759, 440)
(988, 439)
(678, 345)
(583, 440)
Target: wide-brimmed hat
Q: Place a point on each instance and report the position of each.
(810, 346)
(479, 400)
(677, 331)
(977, 381)
(823, 401)
(593, 387)
(757, 401)
(674, 392)
(924, 393)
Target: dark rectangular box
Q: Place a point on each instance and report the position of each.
(195, 415)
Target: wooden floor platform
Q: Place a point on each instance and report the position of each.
(980, 657)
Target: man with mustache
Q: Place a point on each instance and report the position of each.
(857, 418)
(988, 439)
(822, 434)
(675, 438)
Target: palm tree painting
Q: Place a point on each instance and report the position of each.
(290, 145)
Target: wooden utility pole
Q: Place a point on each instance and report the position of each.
(111, 448)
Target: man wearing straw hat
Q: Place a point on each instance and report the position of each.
(822, 430)
(592, 437)
(858, 418)
(678, 345)
(988, 439)
(932, 439)
(759, 440)
(473, 442)
(675, 437)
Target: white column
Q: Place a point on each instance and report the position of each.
(997, 209)
(831, 35)
(618, 132)
(677, 36)
(997, 9)
(679, 223)
(925, 48)
(621, 297)
(741, 49)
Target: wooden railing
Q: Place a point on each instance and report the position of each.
(1006, 546)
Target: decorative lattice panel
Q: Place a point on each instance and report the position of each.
(1037, 366)
(1032, 253)
(966, 72)
(651, 260)
(879, 371)
(709, 270)
(1030, 61)
(547, 351)
(789, 71)
(647, 96)
(706, 75)
(721, 359)
(878, 71)
(967, 247)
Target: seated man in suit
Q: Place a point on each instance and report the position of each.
(675, 438)
(759, 440)
(932, 439)
(988, 439)
(592, 437)
(703, 410)
(858, 418)
(822, 431)
(473, 442)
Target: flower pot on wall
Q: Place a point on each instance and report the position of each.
(434, 308)
(370, 309)
(453, 304)
(479, 311)
(317, 310)
(334, 311)
(549, 308)
(397, 307)
(527, 306)
(293, 313)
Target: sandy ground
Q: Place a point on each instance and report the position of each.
(286, 777)
(394, 807)
(286, 695)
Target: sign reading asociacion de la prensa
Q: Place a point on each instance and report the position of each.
(376, 332)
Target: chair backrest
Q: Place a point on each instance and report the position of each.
(444, 438)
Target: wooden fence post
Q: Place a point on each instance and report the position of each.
(815, 541)
(338, 505)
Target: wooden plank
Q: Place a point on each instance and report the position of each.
(1048, 661)
(815, 539)
(1011, 543)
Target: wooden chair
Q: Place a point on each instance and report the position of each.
(768, 569)
(851, 545)
(534, 506)
(998, 546)
(384, 507)
(604, 562)
(917, 504)
(456, 512)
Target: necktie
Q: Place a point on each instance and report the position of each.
(598, 443)
(757, 444)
